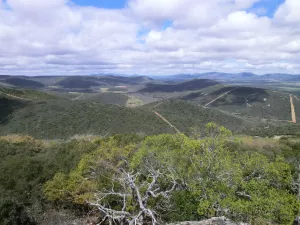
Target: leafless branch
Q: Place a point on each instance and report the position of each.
(132, 189)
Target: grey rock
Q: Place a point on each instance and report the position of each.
(297, 221)
(212, 221)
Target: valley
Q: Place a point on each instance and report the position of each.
(60, 107)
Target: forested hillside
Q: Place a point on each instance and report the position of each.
(63, 119)
(246, 101)
(26, 94)
(23, 82)
(180, 87)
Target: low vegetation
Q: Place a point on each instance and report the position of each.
(247, 101)
(106, 98)
(26, 164)
(62, 119)
(179, 178)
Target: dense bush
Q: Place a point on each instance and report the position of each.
(212, 179)
(26, 164)
(64, 119)
(246, 179)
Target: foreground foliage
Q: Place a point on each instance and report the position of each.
(180, 178)
(151, 179)
(25, 165)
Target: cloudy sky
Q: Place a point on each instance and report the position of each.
(149, 37)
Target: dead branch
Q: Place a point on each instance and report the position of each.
(132, 189)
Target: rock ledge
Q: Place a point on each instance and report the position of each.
(212, 221)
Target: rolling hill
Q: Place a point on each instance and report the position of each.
(101, 81)
(26, 94)
(180, 87)
(77, 82)
(247, 101)
(245, 76)
(61, 114)
(8, 106)
(185, 115)
(23, 83)
(106, 98)
(63, 119)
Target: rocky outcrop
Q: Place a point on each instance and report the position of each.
(297, 221)
(212, 221)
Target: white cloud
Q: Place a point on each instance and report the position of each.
(244, 4)
(35, 5)
(58, 37)
(289, 12)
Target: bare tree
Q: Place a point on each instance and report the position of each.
(132, 197)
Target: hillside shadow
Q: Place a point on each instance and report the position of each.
(7, 107)
(192, 96)
(191, 85)
(241, 96)
(238, 97)
(24, 83)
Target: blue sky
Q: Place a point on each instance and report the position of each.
(269, 6)
(109, 4)
(263, 7)
(149, 36)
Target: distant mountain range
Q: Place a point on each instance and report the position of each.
(123, 79)
(231, 76)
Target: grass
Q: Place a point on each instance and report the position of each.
(134, 102)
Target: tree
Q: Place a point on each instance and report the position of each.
(133, 195)
(148, 182)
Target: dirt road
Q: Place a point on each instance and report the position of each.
(294, 119)
(220, 97)
(77, 97)
(158, 104)
(164, 119)
(27, 99)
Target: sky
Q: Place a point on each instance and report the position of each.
(149, 37)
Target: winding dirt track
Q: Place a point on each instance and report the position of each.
(220, 97)
(158, 104)
(294, 119)
(77, 97)
(27, 99)
(164, 119)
